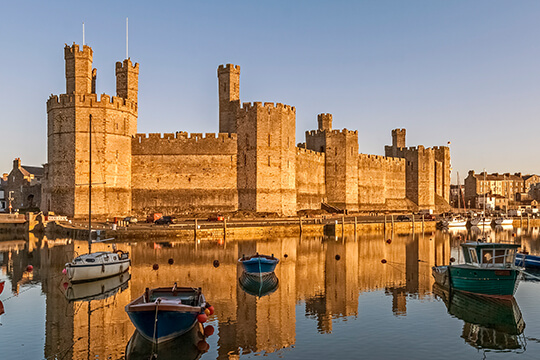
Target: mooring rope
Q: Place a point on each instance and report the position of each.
(154, 343)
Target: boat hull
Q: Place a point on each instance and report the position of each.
(528, 261)
(89, 272)
(259, 265)
(170, 324)
(491, 282)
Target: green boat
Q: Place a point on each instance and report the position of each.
(488, 269)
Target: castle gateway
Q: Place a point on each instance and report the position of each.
(252, 164)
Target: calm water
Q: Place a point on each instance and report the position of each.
(335, 298)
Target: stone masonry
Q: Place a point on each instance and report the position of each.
(252, 164)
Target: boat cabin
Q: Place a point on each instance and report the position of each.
(489, 254)
(97, 257)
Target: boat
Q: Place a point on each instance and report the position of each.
(489, 269)
(163, 313)
(457, 221)
(98, 289)
(489, 323)
(259, 264)
(258, 284)
(473, 221)
(502, 221)
(2, 283)
(186, 346)
(528, 261)
(95, 265)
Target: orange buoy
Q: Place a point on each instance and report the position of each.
(202, 318)
(211, 308)
(29, 268)
(389, 241)
(207, 312)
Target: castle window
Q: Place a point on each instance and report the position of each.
(268, 160)
(268, 139)
(116, 126)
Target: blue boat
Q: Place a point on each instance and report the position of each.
(259, 264)
(164, 313)
(528, 261)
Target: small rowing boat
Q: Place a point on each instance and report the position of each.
(258, 264)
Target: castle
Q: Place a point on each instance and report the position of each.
(252, 164)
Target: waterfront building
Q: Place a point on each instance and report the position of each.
(252, 164)
(21, 187)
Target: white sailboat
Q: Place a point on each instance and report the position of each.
(97, 265)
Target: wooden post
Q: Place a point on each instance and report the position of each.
(224, 228)
(343, 226)
(521, 220)
(422, 223)
(413, 223)
(392, 222)
(300, 222)
(528, 219)
(195, 230)
(355, 224)
(384, 227)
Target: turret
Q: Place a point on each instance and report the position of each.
(325, 122)
(398, 138)
(229, 97)
(79, 75)
(127, 80)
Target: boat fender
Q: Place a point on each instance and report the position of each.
(202, 318)
(102, 267)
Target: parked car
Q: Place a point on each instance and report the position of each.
(403, 218)
(164, 220)
(216, 217)
(131, 219)
(428, 217)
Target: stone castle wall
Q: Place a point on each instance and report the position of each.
(175, 173)
(380, 178)
(310, 179)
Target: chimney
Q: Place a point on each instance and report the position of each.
(17, 163)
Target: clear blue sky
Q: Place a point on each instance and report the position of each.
(461, 71)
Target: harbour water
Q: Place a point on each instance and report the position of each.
(369, 297)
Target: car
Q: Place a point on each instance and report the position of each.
(216, 217)
(164, 220)
(131, 219)
(403, 218)
(428, 217)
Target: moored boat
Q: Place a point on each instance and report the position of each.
(259, 264)
(528, 261)
(457, 221)
(164, 313)
(97, 265)
(473, 221)
(503, 221)
(489, 269)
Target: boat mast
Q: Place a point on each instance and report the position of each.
(90, 185)
(484, 214)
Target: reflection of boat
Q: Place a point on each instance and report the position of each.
(1, 308)
(97, 265)
(490, 323)
(183, 347)
(98, 289)
(164, 313)
(488, 269)
(258, 264)
(258, 285)
(528, 261)
(2, 283)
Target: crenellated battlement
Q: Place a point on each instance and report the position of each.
(336, 132)
(444, 148)
(304, 151)
(74, 50)
(270, 106)
(90, 100)
(127, 64)
(182, 143)
(228, 67)
(374, 160)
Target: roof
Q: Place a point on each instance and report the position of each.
(34, 170)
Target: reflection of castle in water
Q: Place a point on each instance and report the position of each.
(327, 274)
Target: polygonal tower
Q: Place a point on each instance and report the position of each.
(229, 97)
(114, 122)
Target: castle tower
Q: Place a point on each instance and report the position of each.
(266, 158)
(229, 97)
(114, 122)
(325, 122)
(127, 80)
(341, 168)
(79, 74)
(398, 141)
